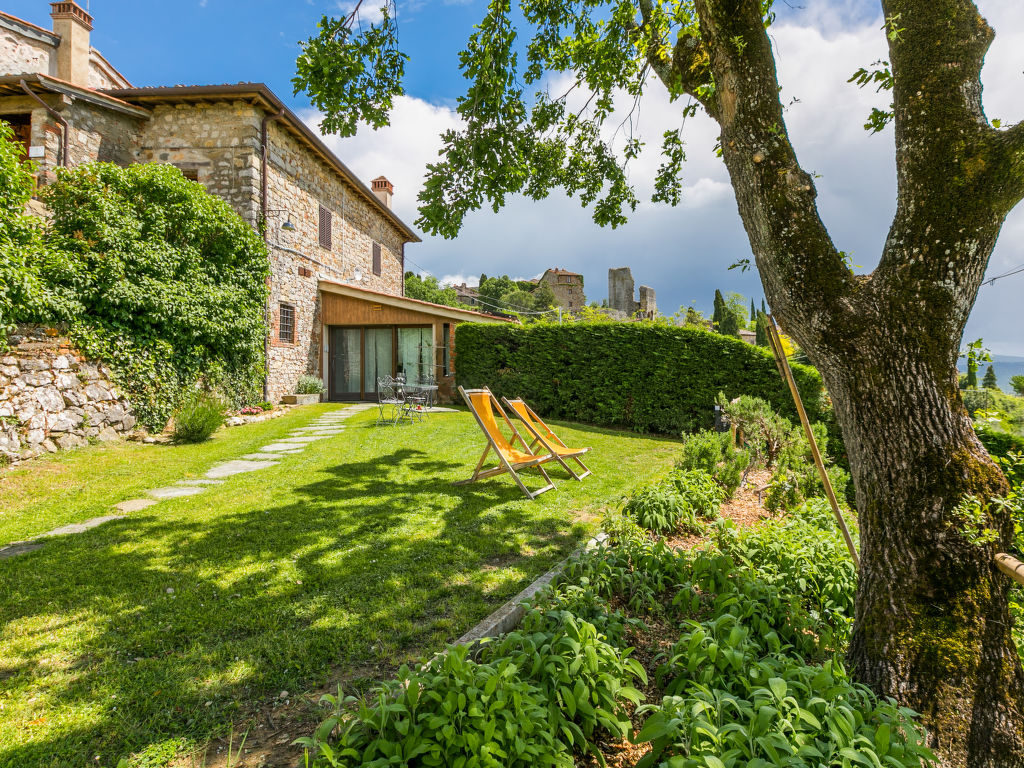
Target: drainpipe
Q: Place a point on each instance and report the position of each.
(264, 142)
(56, 116)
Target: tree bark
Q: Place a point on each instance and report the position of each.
(932, 627)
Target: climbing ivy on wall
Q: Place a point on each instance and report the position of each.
(157, 277)
(645, 377)
(20, 235)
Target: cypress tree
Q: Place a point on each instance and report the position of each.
(761, 330)
(730, 325)
(720, 310)
(989, 382)
(753, 312)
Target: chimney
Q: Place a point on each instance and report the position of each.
(383, 190)
(73, 24)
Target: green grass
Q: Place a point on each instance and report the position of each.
(355, 553)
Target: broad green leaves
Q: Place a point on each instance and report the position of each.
(551, 102)
(350, 75)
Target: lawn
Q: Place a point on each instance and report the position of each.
(149, 635)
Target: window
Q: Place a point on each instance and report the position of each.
(376, 258)
(22, 126)
(446, 361)
(325, 228)
(192, 174)
(286, 323)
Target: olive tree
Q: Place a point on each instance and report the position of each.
(932, 626)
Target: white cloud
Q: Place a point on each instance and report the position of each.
(684, 252)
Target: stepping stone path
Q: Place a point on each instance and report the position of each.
(326, 425)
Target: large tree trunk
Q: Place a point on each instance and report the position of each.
(932, 626)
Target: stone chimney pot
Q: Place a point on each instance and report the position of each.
(383, 189)
(73, 24)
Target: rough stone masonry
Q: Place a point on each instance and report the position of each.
(51, 399)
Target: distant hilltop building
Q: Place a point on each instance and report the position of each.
(567, 287)
(621, 296)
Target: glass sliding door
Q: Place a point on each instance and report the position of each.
(345, 366)
(378, 357)
(416, 354)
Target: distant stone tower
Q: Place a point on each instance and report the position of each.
(648, 304)
(620, 291)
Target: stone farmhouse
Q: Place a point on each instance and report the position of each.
(567, 287)
(337, 249)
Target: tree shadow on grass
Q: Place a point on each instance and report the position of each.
(149, 629)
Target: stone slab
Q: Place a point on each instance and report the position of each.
(281, 447)
(268, 456)
(174, 491)
(19, 549)
(200, 481)
(134, 505)
(303, 440)
(508, 616)
(237, 467)
(66, 530)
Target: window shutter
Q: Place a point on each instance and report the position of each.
(325, 228)
(376, 258)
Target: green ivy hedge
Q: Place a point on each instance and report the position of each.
(645, 377)
(160, 279)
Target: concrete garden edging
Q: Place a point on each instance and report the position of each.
(508, 616)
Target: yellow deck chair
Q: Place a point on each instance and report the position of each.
(482, 404)
(543, 436)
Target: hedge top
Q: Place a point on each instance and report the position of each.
(642, 376)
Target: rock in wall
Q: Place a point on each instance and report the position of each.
(51, 399)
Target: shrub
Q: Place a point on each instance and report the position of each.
(200, 417)
(309, 385)
(661, 508)
(714, 453)
(21, 241)
(699, 490)
(638, 376)
(999, 443)
(585, 679)
(452, 711)
(765, 433)
(160, 279)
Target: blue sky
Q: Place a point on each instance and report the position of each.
(684, 253)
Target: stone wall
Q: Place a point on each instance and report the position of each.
(51, 399)
(298, 183)
(24, 50)
(648, 305)
(217, 143)
(620, 291)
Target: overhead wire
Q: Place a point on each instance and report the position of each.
(1013, 271)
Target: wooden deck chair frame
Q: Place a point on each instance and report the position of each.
(504, 465)
(550, 444)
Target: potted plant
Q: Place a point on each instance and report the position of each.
(307, 391)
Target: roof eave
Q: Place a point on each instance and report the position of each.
(269, 101)
(404, 302)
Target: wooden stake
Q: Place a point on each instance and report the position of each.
(1011, 566)
(787, 376)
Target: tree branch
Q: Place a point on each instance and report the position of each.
(806, 279)
(686, 70)
(951, 166)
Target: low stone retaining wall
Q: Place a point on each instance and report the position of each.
(51, 399)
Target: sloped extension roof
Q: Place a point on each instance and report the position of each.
(260, 95)
(10, 85)
(415, 305)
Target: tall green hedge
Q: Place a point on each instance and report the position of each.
(645, 377)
